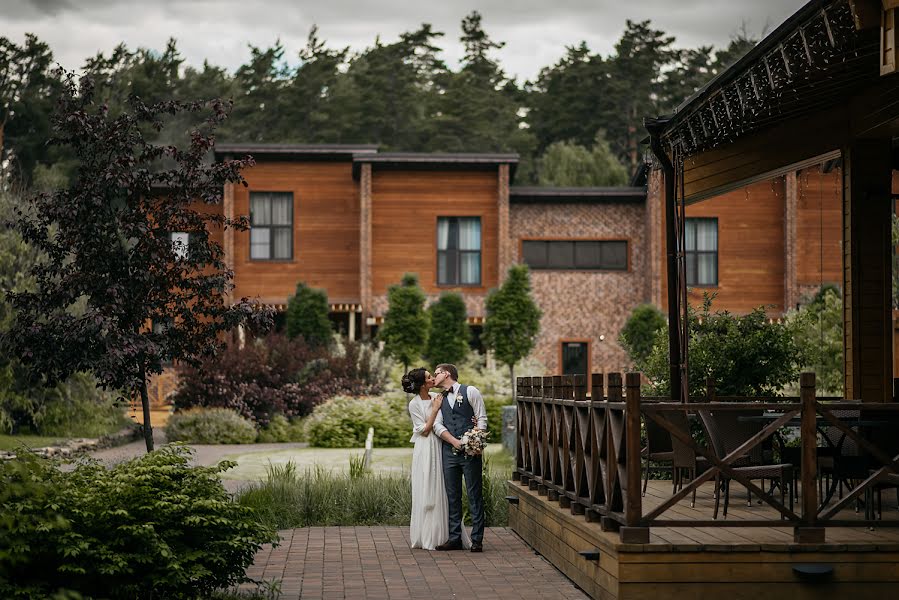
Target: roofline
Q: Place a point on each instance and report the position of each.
(285, 151)
(435, 161)
(599, 195)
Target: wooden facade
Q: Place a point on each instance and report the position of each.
(405, 207)
(325, 232)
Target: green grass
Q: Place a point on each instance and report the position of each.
(289, 496)
(253, 466)
(11, 442)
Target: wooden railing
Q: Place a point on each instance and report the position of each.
(584, 451)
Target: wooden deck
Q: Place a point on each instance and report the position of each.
(707, 562)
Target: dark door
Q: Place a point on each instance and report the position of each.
(574, 358)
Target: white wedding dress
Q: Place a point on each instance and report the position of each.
(429, 525)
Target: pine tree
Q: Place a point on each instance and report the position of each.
(513, 320)
(307, 316)
(448, 341)
(406, 326)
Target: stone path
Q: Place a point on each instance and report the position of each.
(377, 563)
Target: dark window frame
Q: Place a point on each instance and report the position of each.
(693, 255)
(456, 254)
(574, 266)
(271, 229)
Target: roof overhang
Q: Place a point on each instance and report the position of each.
(293, 152)
(576, 195)
(419, 161)
(800, 95)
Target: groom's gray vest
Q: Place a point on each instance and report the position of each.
(457, 421)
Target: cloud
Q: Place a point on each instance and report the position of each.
(536, 32)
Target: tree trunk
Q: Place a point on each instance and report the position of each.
(512, 376)
(145, 404)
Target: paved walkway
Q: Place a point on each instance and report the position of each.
(377, 563)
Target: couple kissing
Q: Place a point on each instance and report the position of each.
(447, 432)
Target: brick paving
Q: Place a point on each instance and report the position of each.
(377, 563)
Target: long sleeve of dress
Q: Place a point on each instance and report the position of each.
(418, 417)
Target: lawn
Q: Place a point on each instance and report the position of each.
(11, 442)
(252, 466)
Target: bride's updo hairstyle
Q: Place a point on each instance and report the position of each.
(413, 380)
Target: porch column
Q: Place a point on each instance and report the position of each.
(867, 271)
(365, 245)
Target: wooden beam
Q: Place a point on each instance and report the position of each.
(866, 13)
(867, 271)
(889, 49)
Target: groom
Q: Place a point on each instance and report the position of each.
(460, 404)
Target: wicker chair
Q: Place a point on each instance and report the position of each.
(726, 432)
(657, 448)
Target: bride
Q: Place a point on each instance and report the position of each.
(429, 525)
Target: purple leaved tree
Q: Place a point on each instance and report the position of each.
(131, 278)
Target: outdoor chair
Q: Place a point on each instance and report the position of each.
(657, 449)
(726, 432)
(884, 438)
(839, 461)
(686, 464)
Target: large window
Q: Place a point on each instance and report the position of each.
(459, 251)
(702, 251)
(271, 225)
(606, 255)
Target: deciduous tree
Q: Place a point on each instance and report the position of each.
(448, 341)
(114, 296)
(406, 325)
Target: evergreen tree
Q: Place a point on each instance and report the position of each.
(27, 89)
(513, 320)
(406, 325)
(568, 164)
(307, 316)
(566, 100)
(448, 341)
(639, 332)
(111, 268)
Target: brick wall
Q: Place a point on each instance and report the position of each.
(584, 305)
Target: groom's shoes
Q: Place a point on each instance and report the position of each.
(477, 547)
(450, 545)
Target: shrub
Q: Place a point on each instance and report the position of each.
(275, 375)
(210, 426)
(307, 316)
(343, 422)
(746, 355)
(639, 332)
(280, 429)
(494, 406)
(149, 527)
(405, 329)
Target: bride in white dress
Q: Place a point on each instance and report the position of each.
(429, 525)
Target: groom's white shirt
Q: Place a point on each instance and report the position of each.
(477, 405)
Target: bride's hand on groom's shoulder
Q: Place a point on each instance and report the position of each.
(436, 401)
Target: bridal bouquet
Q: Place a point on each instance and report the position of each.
(473, 442)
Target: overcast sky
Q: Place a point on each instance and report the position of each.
(536, 32)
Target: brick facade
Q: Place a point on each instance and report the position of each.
(585, 305)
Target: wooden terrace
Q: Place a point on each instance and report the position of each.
(576, 496)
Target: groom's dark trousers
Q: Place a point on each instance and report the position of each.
(457, 421)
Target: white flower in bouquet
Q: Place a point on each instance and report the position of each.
(473, 442)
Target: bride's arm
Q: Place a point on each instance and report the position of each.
(436, 401)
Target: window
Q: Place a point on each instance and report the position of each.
(271, 225)
(459, 251)
(575, 254)
(575, 358)
(701, 251)
(180, 243)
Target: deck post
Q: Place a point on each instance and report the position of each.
(807, 532)
(633, 503)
